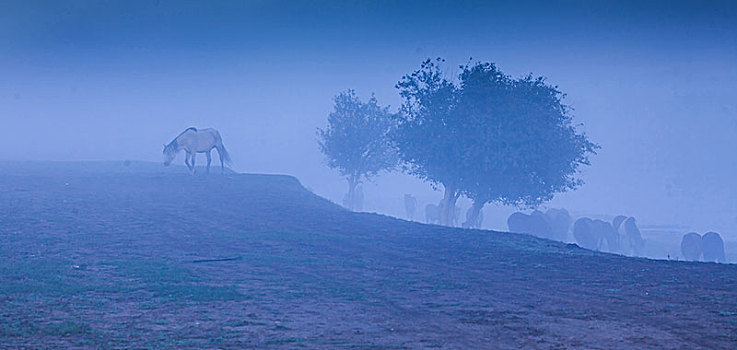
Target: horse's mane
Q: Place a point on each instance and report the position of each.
(191, 128)
(174, 142)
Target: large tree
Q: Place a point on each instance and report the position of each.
(426, 141)
(522, 146)
(356, 141)
(490, 137)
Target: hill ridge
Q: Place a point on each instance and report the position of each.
(286, 268)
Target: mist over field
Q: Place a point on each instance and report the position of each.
(653, 83)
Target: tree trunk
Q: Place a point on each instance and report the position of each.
(471, 221)
(350, 201)
(447, 210)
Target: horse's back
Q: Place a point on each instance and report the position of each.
(209, 132)
(200, 140)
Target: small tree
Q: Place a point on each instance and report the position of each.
(356, 141)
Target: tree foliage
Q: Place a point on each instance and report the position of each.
(357, 140)
(521, 146)
(426, 139)
(490, 137)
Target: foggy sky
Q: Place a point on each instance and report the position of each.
(654, 83)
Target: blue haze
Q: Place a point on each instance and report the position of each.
(654, 82)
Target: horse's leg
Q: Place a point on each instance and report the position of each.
(209, 159)
(194, 154)
(186, 160)
(220, 154)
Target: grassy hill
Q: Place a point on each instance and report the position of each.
(113, 255)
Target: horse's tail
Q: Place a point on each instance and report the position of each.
(225, 154)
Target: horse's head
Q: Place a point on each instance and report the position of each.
(169, 153)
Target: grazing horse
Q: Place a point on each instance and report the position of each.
(595, 234)
(691, 246)
(607, 236)
(630, 239)
(469, 217)
(560, 222)
(194, 141)
(432, 213)
(585, 233)
(713, 247)
(534, 224)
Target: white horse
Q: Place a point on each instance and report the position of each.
(194, 141)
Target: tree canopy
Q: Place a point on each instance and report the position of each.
(521, 146)
(356, 141)
(490, 137)
(426, 138)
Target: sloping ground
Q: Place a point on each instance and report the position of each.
(97, 257)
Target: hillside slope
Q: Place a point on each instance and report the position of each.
(95, 256)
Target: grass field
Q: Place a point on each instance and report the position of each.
(107, 255)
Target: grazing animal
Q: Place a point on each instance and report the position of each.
(560, 222)
(630, 238)
(618, 220)
(476, 223)
(194, 141)
(596, 235)
(691, 246)
(634, 236)
(713, 247)
(608, 238)
(432, 214)
(410, 204)
(535, 224)
(585, 234)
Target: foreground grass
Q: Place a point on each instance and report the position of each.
(168, 261)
